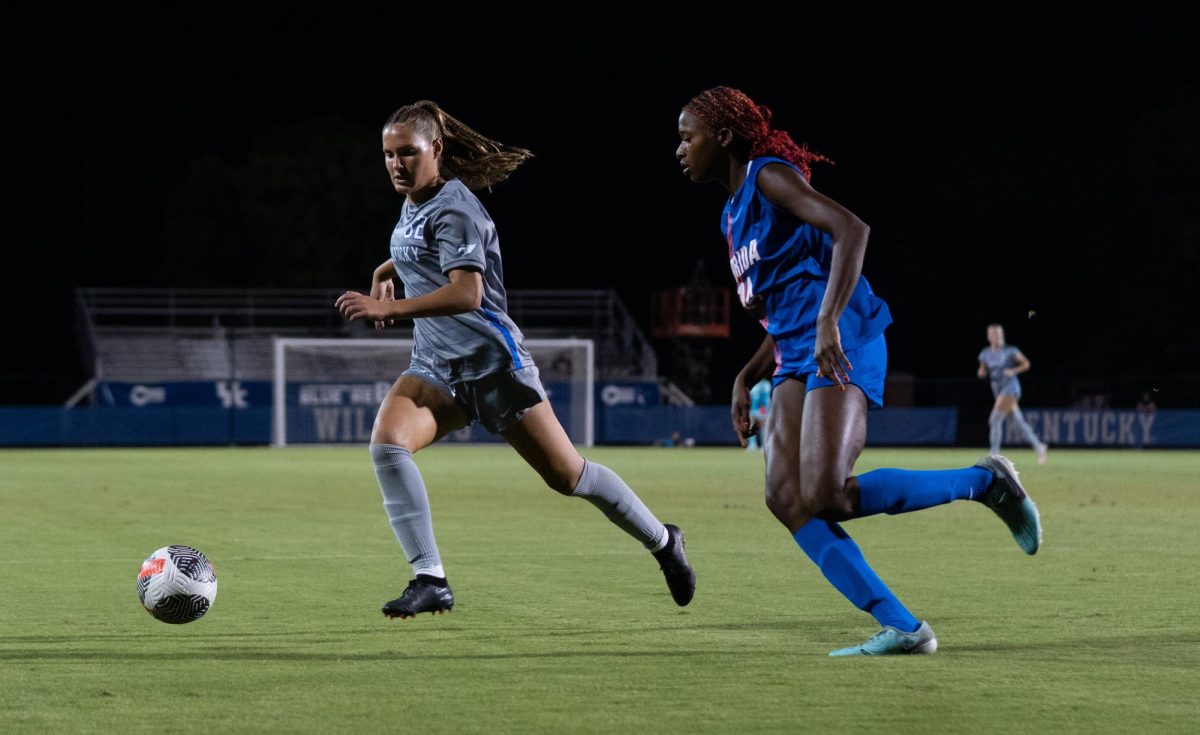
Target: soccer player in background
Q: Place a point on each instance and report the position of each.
(469, 362)
(760, 401)
(797, 259)
(1001, 363)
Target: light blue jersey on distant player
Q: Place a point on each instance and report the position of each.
(996, 362)
(760, 398)
(452, 230)
(781, 265)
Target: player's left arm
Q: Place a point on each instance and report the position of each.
(786, 188)
(1022, 365)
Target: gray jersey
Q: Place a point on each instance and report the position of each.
(996, 361)
(451, 231)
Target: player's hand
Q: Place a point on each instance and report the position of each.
(354, 305)
(1009, 372)
(981, 372)
(384, 291)
(739, 412)
(832, 363)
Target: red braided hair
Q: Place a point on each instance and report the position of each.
(726, 107)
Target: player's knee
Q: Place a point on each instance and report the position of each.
(780, 496)
(396, 436)
(827, 497)
(560, 481)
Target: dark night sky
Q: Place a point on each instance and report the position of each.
(1006, 164)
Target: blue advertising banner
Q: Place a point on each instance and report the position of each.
(218, 393)
(671, 425)
(1110, 428)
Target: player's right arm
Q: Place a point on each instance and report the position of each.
(383, 288)
(760, 366)
(982, 372)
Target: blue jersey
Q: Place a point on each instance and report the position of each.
(781, 265)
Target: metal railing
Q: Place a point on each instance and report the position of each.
(599, 315)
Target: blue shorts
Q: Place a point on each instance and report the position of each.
(869, 373)
(496, 401)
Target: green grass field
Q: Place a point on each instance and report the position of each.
(563, 624)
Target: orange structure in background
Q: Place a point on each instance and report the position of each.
(690, 311)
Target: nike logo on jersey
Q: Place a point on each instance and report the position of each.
(465, 250)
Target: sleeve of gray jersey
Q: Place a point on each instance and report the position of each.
(461, 239)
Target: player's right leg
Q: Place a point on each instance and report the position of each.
(1027, 432)
(415, 413)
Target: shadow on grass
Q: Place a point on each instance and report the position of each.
(281, 645)
(241, 654)
(523, 630)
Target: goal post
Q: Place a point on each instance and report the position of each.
(327, 391)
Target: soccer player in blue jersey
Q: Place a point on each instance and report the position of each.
(469, 362)
(1001, 363)
(797, 258)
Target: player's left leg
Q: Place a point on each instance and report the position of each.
(894, 490)
(543, 443)
(1028, 432)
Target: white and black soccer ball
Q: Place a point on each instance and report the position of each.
(177, 584)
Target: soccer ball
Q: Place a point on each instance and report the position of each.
(177, 584)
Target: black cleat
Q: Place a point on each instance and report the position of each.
(681, 578)
(423, 594)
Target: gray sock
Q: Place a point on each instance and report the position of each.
(996, 430)
(407, 506)
(1026, 429)
(601, 487)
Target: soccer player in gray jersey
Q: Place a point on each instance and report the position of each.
(1001, 364)
(469, 362)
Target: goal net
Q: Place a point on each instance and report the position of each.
(327, 391)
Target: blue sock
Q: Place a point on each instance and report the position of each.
(842, 563)
(902, 491)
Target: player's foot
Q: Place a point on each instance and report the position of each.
(1010, 501)
(891, 641)
(1041, 450)
(681, 578)
(423, 594)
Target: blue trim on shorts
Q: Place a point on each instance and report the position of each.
(869, 373)
(508, 338)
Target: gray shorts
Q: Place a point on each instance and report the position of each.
(496, 401)
(1007, 387)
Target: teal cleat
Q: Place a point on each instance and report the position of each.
(890, 642)
(1010, 501)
